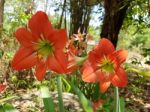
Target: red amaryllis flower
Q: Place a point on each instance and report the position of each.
(2, 87)
(97, 104)
(71, 54)
(41, 46)
(73, 60)
(104, 65)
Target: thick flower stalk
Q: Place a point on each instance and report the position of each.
(104, 64)
(41, 46)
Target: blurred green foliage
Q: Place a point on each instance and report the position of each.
(15, 15)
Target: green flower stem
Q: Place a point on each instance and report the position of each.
(7, 99)
(86, 104)
(60, 99)
(117, 100)
(47, 100)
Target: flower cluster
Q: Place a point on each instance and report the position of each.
(43, 46)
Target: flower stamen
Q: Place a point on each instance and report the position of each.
(44, 48)
(106, 66)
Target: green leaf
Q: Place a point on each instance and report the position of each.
(1, 108)
(83, 100)
(145, 73)
(122, 104)
(67, 85)
(47, 100)
(1, 53)
(7, 99)
(106, 110)
(48, 105)
(9, 108)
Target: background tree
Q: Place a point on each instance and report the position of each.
(79, 15)
(138, 13)
(61, 17)
(115, 11)
(1, 15)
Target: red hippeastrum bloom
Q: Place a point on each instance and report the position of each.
(73, 60)
(97, 104)
(71, 53)
(41, 46)
(2, 87)
(104, 65)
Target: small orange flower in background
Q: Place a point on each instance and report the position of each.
(104, 64)
(41, 46)
(74, 62)
(97, 104)
(71, 53)
(2, 87)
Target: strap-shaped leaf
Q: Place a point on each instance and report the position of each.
(122, 104)
(47, 100)
(1, 108)
(9, 108)
(83, 100)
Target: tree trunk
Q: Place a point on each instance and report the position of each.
(61, 17)
(1, 15)
(115, 11)
(86, 19)
(80, 13)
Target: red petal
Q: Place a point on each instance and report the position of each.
(93, 57)
(104, 86)
(62, 59)
(58, 38)
(104, 77)
(24, 37)
(97, 104)
(58, 62)
(24, 58)
(71, 69)
(71, 48)
(40, 24)
(104, 47)
(2, 87)
(89, 73)
(120, 79)
(121, 56)
(72, 63)
(41, 68)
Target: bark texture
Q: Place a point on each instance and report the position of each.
(115, 11)
(80, 16)
(1, 15)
